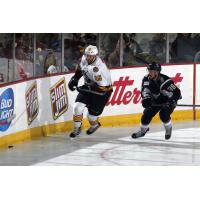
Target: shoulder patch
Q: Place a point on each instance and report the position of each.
(95, 69)
(162, 79)
(146, 83)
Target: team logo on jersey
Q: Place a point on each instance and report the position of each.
(32, 105)
(6, 109)
(59, 101)
(95, 69)
(98, 78)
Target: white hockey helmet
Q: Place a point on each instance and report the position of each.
(91, 50)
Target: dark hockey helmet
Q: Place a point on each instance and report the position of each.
(154, 66)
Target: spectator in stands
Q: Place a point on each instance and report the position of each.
(134, 46)
(69, 62)
(1, 50)
(131, 49)
(19, 51)
(50, 64)
(8, 51)
(40, 58)
(90, 39)
(114, 57)
(196, 41)
(183, 48)
(109, 42)
(55, 42)
(157, 47)
(1, 77)
(20, 63)
(78, 45)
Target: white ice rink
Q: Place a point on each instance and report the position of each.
(183, 149)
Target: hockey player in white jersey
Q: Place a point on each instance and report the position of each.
(95, 92)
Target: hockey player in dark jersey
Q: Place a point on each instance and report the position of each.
(159, 94)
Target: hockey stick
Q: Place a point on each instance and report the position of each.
(187, 105)
(79, 89)
(180, 105)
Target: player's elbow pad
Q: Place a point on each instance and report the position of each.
(146, 103)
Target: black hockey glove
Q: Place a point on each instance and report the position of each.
(146, 103)
(172, 102)
(73, 83)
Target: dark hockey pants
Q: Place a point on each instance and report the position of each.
(164, 113)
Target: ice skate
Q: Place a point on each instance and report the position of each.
(75, 133)
(140, 133)
(168, 133)
(92, 129)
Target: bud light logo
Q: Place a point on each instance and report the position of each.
(6, 109)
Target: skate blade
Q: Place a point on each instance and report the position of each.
(77, 136)
(90, 133)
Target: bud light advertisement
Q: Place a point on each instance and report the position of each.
(6, 109)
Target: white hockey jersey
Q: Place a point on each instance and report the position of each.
(97, 72)
(52, 69)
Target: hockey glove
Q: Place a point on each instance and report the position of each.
(146, 103)
(73, 83)
(172, 102)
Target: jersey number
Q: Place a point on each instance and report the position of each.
(172, 87)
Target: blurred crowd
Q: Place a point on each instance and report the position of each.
(23, 55)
